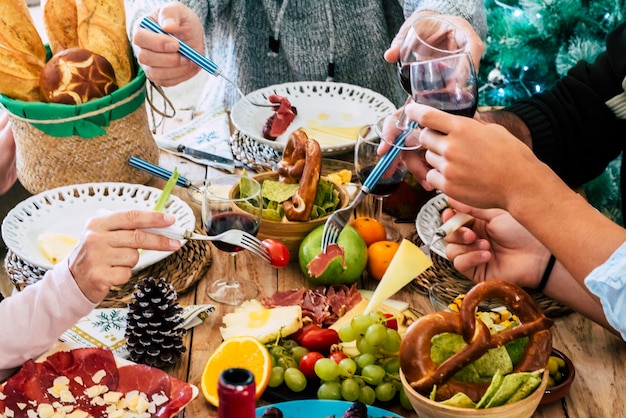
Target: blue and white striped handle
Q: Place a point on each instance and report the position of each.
(377, 173)
(184, 50)
(157, 171)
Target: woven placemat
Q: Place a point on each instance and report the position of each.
(259, 156)
(183, 269)
(444, 272)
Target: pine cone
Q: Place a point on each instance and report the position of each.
(151, 331)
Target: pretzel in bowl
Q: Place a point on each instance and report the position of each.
(301, 163)
(415, 352)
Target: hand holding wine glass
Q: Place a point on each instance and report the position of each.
(224, 208)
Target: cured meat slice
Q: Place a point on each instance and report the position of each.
(284, 114)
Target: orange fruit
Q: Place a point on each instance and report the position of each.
(246, 352)
(379, 256)
(370, 229)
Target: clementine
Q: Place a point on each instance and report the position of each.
(379, 256)
(370, 229)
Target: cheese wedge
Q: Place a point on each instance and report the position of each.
(252, 319)
(55, 247)
(347, 132)
(408, 262)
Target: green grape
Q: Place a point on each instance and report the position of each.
(378, 317)
(298, 352)
(295, 379)
(347, 333)
(347, 368)
(286, 362)
(367, 395)
(392, 341)
(329, 390)
(326, 369)
(373, 374)
(404, 400)
(385, 391)
(278, 351)
(350, 390)
(366, 348)
(277, 377)
(376, 335)
(365, 359)
(289, 344)
(392, 366)
(360, 323)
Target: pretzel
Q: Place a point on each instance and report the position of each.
(423, 373)
(291, 166)
(301, 204)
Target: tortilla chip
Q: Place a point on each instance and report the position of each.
(533, 382)
(496, 382)
(277, 191)
(514, 386)
(460, 400)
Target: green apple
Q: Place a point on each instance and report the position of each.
(355, 256)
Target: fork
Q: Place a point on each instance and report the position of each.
(235, 237)
(338, 220)
(200, 60)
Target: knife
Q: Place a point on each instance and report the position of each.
(213, 160)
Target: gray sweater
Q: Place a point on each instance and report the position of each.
(350, 34)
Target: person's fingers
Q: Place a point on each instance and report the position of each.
(466, 260)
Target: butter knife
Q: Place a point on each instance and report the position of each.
(213, 160)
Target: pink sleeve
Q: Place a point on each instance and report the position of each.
(35, 317)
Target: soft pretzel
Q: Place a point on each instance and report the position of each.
(423, 373)
(291, 166)
(301, 204)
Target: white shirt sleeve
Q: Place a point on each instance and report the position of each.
(608, 282)
(32, 320)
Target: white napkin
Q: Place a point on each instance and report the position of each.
(106, 327)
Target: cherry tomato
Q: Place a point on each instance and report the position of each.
(337, 356)
(315, 338)
(307, 364)
(278, 252)
(392, 322)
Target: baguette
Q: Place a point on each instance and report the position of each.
(102, 30)
(60, 21)
(22, 53)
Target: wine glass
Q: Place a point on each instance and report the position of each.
(365, 159)
(224, 208)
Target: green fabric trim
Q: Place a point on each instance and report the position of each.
(99, 113)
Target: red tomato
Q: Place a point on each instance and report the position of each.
(278, 252)
(314, 338)
(337, 356)
(307, 364)
(392, 322)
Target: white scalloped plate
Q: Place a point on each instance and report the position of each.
(341, 104)
(429, 219)
(66, 209)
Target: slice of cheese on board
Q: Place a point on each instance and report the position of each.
(55, 247)
(346, 132)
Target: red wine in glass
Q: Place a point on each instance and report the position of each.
(231, 220)
(386, 185)
(461, 103)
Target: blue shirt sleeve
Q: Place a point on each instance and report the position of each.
(608, 282)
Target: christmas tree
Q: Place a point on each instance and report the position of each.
(532, 43)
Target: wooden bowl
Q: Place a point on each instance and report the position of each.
(556, 392)
(426, 408)
(291, 233)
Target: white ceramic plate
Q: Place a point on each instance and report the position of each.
(327, 103)
(429, 219)
(65, 210)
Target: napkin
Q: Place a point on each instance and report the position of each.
(106, 327)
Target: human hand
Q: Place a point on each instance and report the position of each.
(475, 45)
(495, 246)
(8, 170)
(157, 54)
(109, 246)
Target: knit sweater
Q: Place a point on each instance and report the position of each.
(573, 130)
(351, 34)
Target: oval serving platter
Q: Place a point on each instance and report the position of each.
(334, 105)
(65, 210)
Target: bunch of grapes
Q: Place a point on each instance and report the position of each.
(369, 376)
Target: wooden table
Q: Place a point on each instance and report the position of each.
(599, 357)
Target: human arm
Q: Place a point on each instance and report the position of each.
(105, 255)
(8, 171)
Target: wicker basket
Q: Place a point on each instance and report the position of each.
(59, 145)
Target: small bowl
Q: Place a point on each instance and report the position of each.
(554, 393)
(291, 233)
(426, 408)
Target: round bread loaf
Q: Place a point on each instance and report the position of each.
(74, 76)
